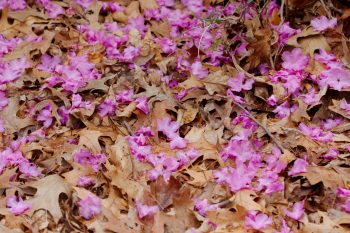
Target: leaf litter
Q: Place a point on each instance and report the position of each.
(174, 116)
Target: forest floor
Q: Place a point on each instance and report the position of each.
(173, 116)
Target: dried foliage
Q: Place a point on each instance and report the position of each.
(174, 116)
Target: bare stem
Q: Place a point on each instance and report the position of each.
(248, 114)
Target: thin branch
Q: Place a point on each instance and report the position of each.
(127, 126)
(240, 69)
(281, 12)
(248, 114)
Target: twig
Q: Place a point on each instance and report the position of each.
(240, 69)
(329, 14)
(248, 114)
(127, 126)
(200, 40)
(224, 203)
(281, 12)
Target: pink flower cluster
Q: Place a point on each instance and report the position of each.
(108, 106)
(12, 70)
(77, 103)
(171, 130)
(14, 157)
(73, 76)
(335, 75)
(344, 194)
(257, 220)
(162, 165)
(13, 4)
(316, 133)
(85, 157)
(297, 212)
(16, 205)
(202, 206)
(248, 164)
(145, 210)
(90, 206)
(322, 23)
(8, 45)
(52, 9)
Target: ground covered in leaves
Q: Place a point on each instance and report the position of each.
(174, 116)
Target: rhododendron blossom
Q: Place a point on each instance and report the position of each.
(345, 106)
(322, 23)
(90, 206)
(10, 71)
(145, 210)
(240, 82)
(107, 108)
(84, 157)
(86, 181)
(337, 78)
(16, 205)
(202, 206)
(294, 60)
(170, 129)
(299, 166)
(13, 4)
(142, 104)
(198, 70)
(257, 220)
(285, 32)
(331, 154)
(297, 212)
(316, 133)
(285, 109)
(45, 115)
(167, 45)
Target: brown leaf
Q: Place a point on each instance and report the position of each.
(328, 176)
(49, 189)
(12, 122)
(216, 82)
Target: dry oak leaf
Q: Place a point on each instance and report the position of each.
(227, 221)
(216, 82)
(245, 199)
(181, 218)
(309, 41)
(148, 4)
(336, 108)
(49, 189)
(11, 121)
(326, 226)
(328, 176)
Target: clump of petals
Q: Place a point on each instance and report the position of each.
(145, 210)
(294, 60)
(85, 181)
(257, 220)
(90, 206)
(299, 166)
(198, 70)
(84, 157)
(345, 106)
(16, 205)
(322, 23)
(202, 206)
(142, 104)
(107, 108)
(297, 212)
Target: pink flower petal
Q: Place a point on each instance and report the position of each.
(90, 206)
